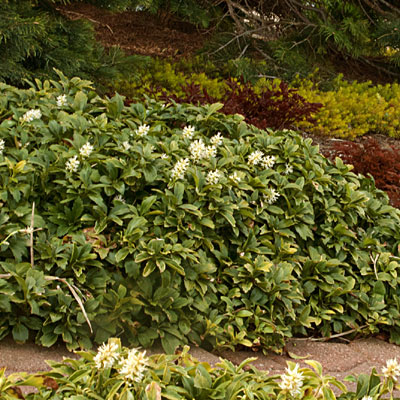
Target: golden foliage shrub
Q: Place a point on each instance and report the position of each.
(353, 109)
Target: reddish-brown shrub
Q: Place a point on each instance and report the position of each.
(278, 107)
(369, 157)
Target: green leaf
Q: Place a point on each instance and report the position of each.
(191, 209)
(179, 190)
(170, 343)
(20, 333)
(146, 204)
(207, 222)
(244, 313)
(229, 217)
(122, 254)
(316, 365)
(115, 106)
(80, 101)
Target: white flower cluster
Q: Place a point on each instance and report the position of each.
(272, 196)
(2, 145)
(199, 151)
(268, 161)
(72, 164)
(178, 172)
(86, 150)
(367, 398)
(292, 381)
(106, 355)
(255, 157)
(62, 100)
(392, 369)
(235, 177)
(288, 169)
(131, 368)
(143, 130)
(216, 140)
(188, 131)
(213, 177)
(31, 115)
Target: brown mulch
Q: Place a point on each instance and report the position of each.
(140, 32)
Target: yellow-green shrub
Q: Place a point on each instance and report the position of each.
(353, 109)
(168, 76)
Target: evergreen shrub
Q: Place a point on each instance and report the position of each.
(176, 222)
(35, 38)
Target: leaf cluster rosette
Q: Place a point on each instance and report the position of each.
(255, 238)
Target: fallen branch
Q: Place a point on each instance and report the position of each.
(85, 17)
(337, 335)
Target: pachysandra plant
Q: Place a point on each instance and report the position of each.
(177, 223)
(118, 372)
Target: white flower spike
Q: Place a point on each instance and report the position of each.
(272, 196)
(255, 157)
(62, 100)
(288, 169)
(188, 131)
(30, 115)
(133, 367)
(197, 150)
(72, 164)
(213, 177)
(392, 369)
(143, 130)
(178, 172)
(86, 150)
(216, 140)
(268, 161)
(292, 381)
(106, 355)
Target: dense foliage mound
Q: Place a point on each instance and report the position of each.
(176, 222)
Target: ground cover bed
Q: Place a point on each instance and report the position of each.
(179, 223)
(158, 220)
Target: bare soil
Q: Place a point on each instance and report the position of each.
(140, 32)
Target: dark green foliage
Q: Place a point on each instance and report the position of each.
(34, 39)
(260, 252)
(294, 36)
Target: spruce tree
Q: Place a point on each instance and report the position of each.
(35, 38)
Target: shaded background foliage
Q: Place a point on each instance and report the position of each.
(291, 36)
